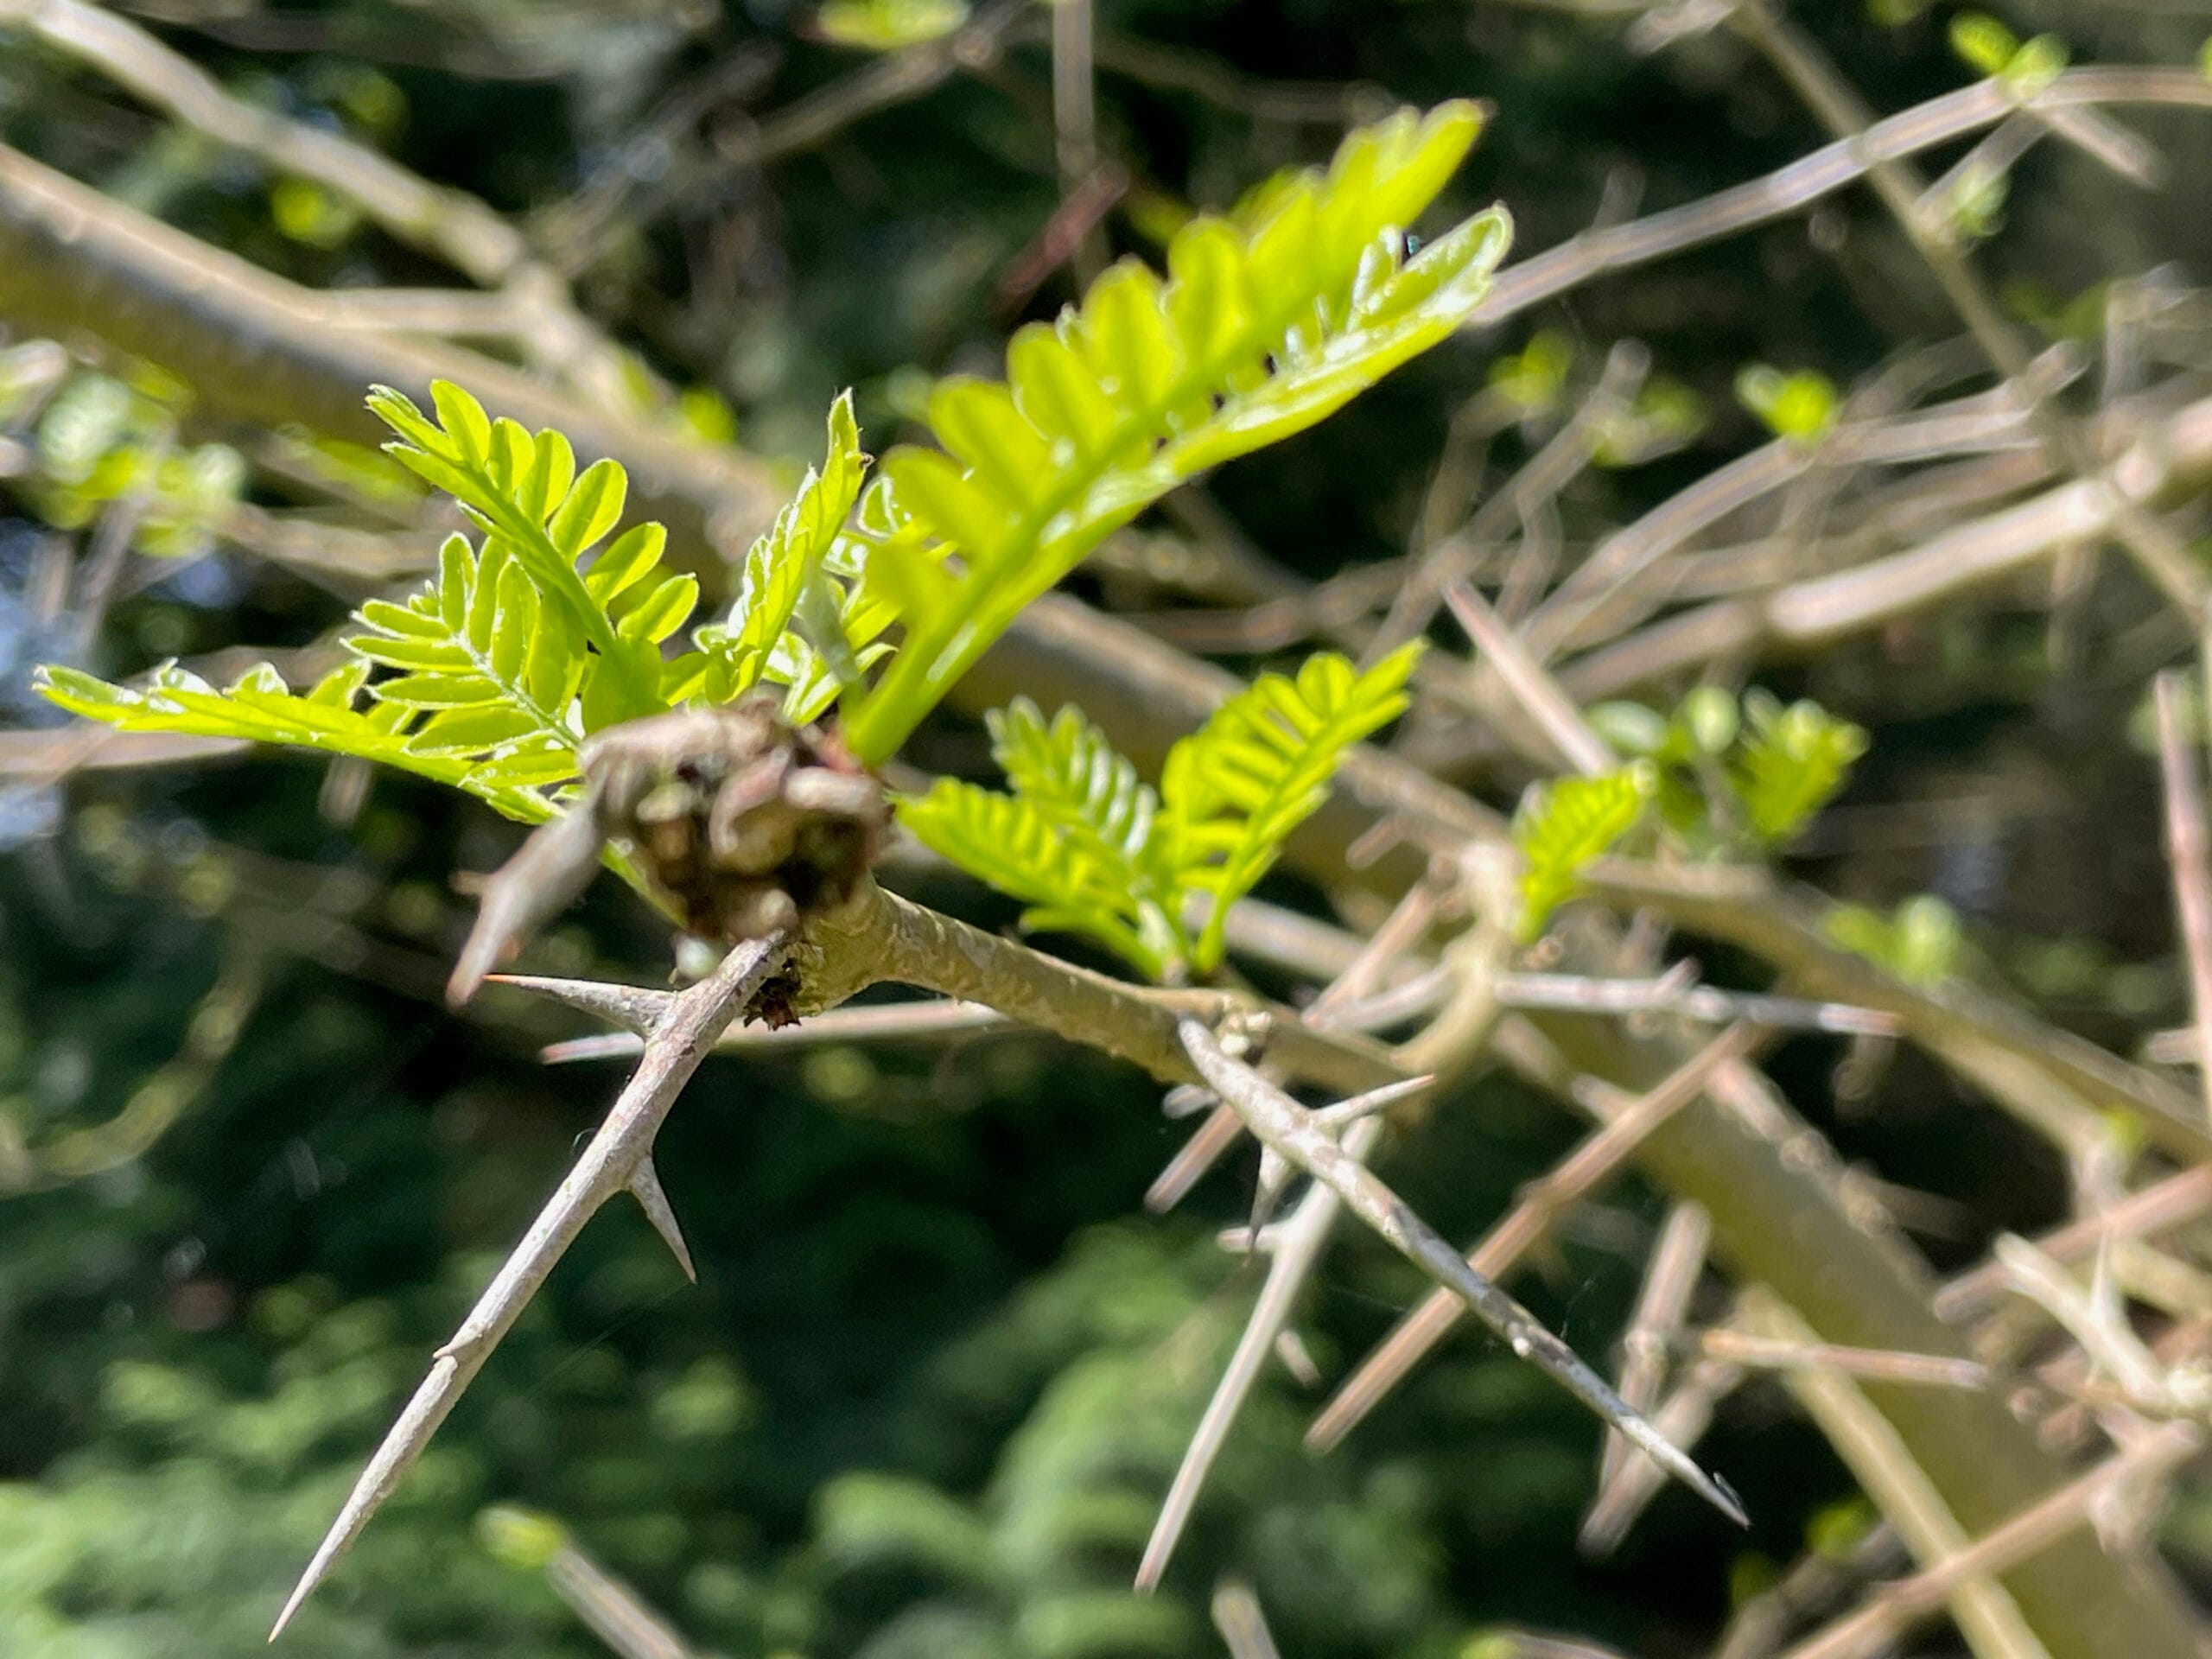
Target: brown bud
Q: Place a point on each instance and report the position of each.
(744, 823)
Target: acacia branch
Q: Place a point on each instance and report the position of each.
(254, 348)
(619, 1158)
(1285, 1127)
(1813, 177)
(1992, 1620)
(1244, 1626)
(444, 222)
(1838, 106)
(1671, 1273)
(2171, 458)
(1293, 1247)
(1894, 1609)
(1537, 1209)
(2167, 1204)
(258, 349)
(2186, 857)
(224, 327)
(890, 939)
(2049, 1078)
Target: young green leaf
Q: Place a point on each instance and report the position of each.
(1563, 824)
(1802, 407)
(1092, 795)
(1086, 841)
(1790, 762)
(523, 490)
(260, 709)
(1234, 789)
(783, 564)
(1010, 843)
(1266, 322)
(480, 631)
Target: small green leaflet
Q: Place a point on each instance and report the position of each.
(1094, 850)
(780, 568)
(1790, 761)
(1563, 824)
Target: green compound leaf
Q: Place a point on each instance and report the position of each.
(1085, 840)
(779, 569)
(1790, 761)
(522, 489)
(101, 441)
(1563, 824)
(1070, 773)
(1268, 322)
(479, 645)
(1011, 844)
(497, 668)
(1093, 796)
(1234, 790)
(259, 707)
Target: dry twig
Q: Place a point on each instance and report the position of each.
(1893, 1609)
(2186, 857)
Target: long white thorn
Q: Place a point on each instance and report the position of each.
(653, 1200)
(547, 872)
(1279, 1122)
(609, 1165)
(1295, 1247)
(634, 1007)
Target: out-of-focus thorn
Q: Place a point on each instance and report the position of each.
(546, 875)
(1291, 1350)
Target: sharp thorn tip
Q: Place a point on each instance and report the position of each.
(653, 1200)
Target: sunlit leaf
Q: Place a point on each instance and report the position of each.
(1269, 320)
(1563, 824)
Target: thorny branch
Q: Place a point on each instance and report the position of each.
(1627, 1121)
(1287, 1129)
(618, 1158)
(154, 291)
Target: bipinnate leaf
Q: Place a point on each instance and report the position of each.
(490, 676)
(523, 491)
(478, 646)
(1096, 851)
(1234, 789)
(259, 707)
(1563, 824)
(1268, 322)
(1008, 842)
